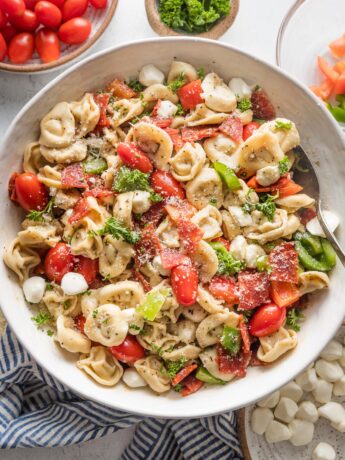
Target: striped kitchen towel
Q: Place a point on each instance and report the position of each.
(38, 411)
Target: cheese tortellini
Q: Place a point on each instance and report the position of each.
(275, 345)
(188, 162)
(101, 366)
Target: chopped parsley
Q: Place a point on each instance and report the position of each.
(130, 180)
(293, 318)
(134, 327)
(180, 110)
(176, 84)
(279, 124)
(38, 216)
(244, 104)
(267, 205)
(66, 304)
(284, 165)
(227, 264)
(171, 368)
(143, 102)
(42, 318)
(118, 231)
(213, 201)
(201, 73)
(94, 313)
(177, 387)
(136, 86)
(157, 349)
(49, 287)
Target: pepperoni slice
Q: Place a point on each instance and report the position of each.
(254, 289)
(283, 260)
(176, 138)
(233, 128)
(102, 100)
(245, 337)
(137, 276)
(236, 365)
(80, 210)
(99, 193)
(148, 246)
(196, 133)
(261, 105)
(154, 215)
(73, 176)
(172, 258)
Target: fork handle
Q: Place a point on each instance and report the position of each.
(330, 236)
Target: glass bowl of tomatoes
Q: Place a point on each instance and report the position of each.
(38, 35)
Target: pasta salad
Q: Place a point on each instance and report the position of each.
(164, 242)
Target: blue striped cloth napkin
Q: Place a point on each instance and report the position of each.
(38, 411)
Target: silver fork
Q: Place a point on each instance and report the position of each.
(307, 177)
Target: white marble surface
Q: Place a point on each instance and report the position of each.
(255, 31)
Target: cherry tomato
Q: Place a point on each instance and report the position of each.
(13, 7)
(48, 45)
(3, 19)
(99, 4)
(59, 261)
(224, 288)
(8, 32)
(87, 267)
(21, 48)
(184, 282)
(27, 21)
(30, 4)
(75, 31)
(132, 156)
(249, 129)
(79, 322)
(30, 193)
(48, 14)
(3, 47)
(129, 351)
(73, 8)
(190, 94)
(267, 320)
(166, 185)
(58, 3)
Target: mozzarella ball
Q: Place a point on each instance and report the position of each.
(157, 265)
(238, 247)
(166, 109)
(261, 418)
(73, 283)
(302, 432)
(342, 358)
(34, 288)
(323, 451)
(329, 371)
(277, 432)
(150, 75)
(286, 410)
(270, 401)
(133, 379)
(307, 411)
(307, 380)
(240, 88)
(332, 411)
(141, 202)
(339, 387)
(323, 391)
(333, 351)
(241, 218)
(268, 175)
(292, 390)
(253, 251)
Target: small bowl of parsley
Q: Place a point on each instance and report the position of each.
(204, 18)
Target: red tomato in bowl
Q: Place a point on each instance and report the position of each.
(267, 320)
(47, 45)
(12, 7)
(128, 351)
(184, 282)
(166, 185)
(75, 31)
(59, 261)
(21, 48)
(27, 21)
(249, 129)
(48, 14)
(99, 4)
(73, 8)
(132, 156)
(3, 19)
(8, 32)
(3, 47)
(87, 267)
(29, 192)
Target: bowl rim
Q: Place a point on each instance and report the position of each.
(41, 67)
(155, 412)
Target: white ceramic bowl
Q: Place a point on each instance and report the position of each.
(320, 136)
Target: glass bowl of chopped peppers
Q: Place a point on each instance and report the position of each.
(204, 18)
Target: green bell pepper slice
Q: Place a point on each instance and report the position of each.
(203, 375)
(227, 175)
(262, 263)
(95, 166)
(152, 304)
(231, 340)
(308, 261)
(311, 243)
(337, 112)
(329, 255)
(341, 99)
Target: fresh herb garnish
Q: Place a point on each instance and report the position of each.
(267, 205)
(38, 216)
(49, 286)
(118, 231)
(180, 110)
(50, 333)
(157, 349)
(201, 73)
(287, 125)
(42, 318)
(143, 102)
(244, 104)
(227, 264)
(284, 165)
(136, 86)
(130, 180)
(66, 304)
(171, 368)
(177, 387)
(94, 313)
(176, 84)
(293, 318)
(134, 327)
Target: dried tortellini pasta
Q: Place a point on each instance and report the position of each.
(158, 91)
(210, 329)
(58, 303)
(125, 110)
(188, 162)
(202, 115)
(126, 294)
(295, 202)
(50, 176)
(39, 235)
(76, 151)
(269, 230)
(220, 148)
(33, 159)
(275, 345)
(178, 68)
(287, 138)
(209, 360)
(101, 366)
(206, 260)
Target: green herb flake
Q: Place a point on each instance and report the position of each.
(279, 124)
(267, 205)
(227, 264)
(66, 304)
(38, 216)
(201, 73)
(118, 231)
(284, 165)
(180, 110)
(42, 318)
(134, 327)
(49, 287)
(244, 104)
(94, 313)
(143, 102)
(293, 318)
(178, 387)
(177, 84)
(136, 86)
(171, 368)
(50, 333)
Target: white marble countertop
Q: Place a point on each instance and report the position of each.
(255, 31)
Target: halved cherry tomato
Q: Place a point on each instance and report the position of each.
(183, 373)
(30, 193)
(21, 48)
(166, 185)
(3, 47)
(87, 267)
(184, 282)
(47, 45)
(128, 351)
(80, 321)
(27, 21)
(284, 294)
(99, 4)
(267, 320)
(190, 94)
(224, 288)
(119, 88)
(13, 7)
(8, 32)
(3, 19)
(75, 31)
(73, 8)
(132, 156)
(48, 14)
(249, 129)
(59, 261)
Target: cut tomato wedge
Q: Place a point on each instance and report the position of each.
(172, 258)
(323, 91)
(196, 133)
(191, 95)
(339, 87)
(254, 289)
(120, 89)
(283, 261)
(233, 128)
(339, 67)
(224, 288)
(81, 209)
(73, 176)
(102, 100)
(284, 294)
